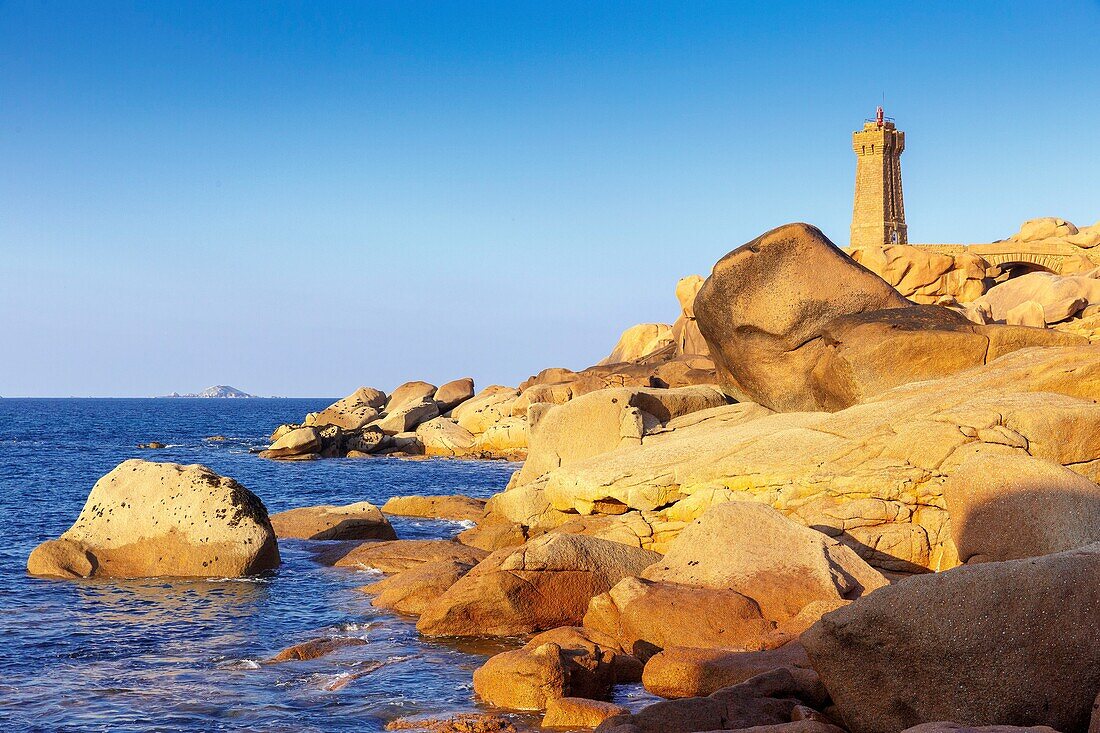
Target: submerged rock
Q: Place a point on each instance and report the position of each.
(315, 648)
(461, 723)
(162, 519)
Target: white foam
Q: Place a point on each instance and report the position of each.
(240, 664)
(368, 570)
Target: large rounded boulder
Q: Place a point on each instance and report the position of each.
(796, 325)
(645, 616)
(762, 309)
(1005, 643)
(559, 663)
(162, 519)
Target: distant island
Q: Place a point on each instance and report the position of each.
(218, 391)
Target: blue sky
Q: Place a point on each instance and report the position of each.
(300, 198)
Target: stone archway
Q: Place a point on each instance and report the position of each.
(1013, 269)
(1021, 263)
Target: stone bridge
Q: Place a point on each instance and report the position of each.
(1050, 256)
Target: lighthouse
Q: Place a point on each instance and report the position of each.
(878, 216)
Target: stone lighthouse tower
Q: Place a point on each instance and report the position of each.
(878, 217)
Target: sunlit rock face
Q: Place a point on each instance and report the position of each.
(872, 475)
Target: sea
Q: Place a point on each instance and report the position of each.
(164, 654)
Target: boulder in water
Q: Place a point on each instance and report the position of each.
(529, 678)
(579, 712)
(396, 555)
(411, 591)
(148, 519)
(315, 648)
(442, 436)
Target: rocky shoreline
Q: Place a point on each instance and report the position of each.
(823, 500)
(452, 421)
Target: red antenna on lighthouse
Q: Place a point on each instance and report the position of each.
(880, 117)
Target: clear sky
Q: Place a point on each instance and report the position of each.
(301, 198)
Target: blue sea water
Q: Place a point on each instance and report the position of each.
(158, 654)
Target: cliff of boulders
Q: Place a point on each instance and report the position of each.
(821, 501)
